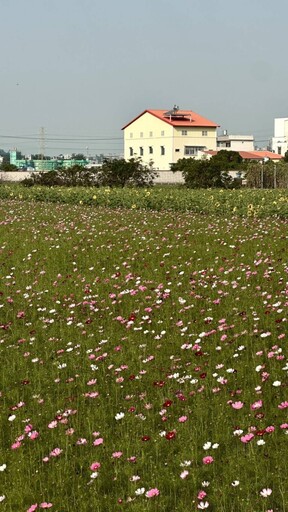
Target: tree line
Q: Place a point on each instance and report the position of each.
(205, 173)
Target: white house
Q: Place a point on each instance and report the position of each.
(163, 137)
(235, 142)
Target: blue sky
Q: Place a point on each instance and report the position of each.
(83, 69)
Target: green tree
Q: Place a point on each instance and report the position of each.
(7, 167)
(203, 173)
(121, 173)
(75, 176)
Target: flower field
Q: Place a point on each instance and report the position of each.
(143, 355)
(242, 202)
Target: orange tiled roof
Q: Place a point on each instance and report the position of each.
(251, 155)
(182, 118)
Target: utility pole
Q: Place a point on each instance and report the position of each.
(42, 146)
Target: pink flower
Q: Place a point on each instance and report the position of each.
(283, 405)
(208, 459)
(237, 405)
(117, 455)
(95, 465)
(45, 505)
(182, 419)
(152, 492)
(270, 429)
(201, 495)
(53, 424)
(184, 474)
(257, 405)
(98, 441)
(33, 435)
(248, 437)
(16, 445)
(32, 508)
(284, 425)
(56, 452)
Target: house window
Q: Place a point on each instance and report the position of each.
(228, 144)
(279, 150)
(162, 133)
(177, 150)
(131, 151)
(162, 149)
(141, 152)
(150, 150)
(150, 134)
(204, 133)
(141, 134)
(184, 132)
(131, 135)
(193, 150)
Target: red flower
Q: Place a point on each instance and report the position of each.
(146, 438)
(167, 403)
(170, 435)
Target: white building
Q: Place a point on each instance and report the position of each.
(235, 142)
(163, 137)
(280, 139)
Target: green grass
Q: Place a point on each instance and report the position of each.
(154, 306)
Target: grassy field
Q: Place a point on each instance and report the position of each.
(144, 357)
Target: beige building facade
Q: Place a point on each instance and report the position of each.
(163, 137)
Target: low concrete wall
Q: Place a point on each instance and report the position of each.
(14, 176)
(169, 177)
(164, 176)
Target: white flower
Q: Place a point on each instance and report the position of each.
(94, 475)
(185, 464)
(12, 417)
(266, 492)
(202, 505)
(3, 467)
(235, 483)
(276, 383)
(119, 416)
(238, 432)
(140, 491)
(215, 446)
(261, 442)
(134, 478)
(2, 498)
(258, 368)
(205, 483)
(207, 445)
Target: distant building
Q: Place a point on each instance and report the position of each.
(164, 137)
(235, 142)
(52, 164)
(280, 139)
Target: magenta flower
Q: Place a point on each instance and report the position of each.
(207, 460)
(95, 465)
